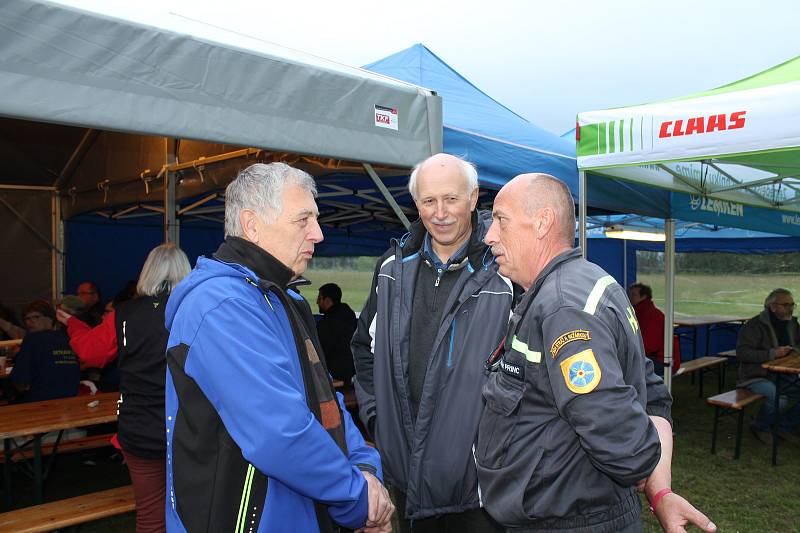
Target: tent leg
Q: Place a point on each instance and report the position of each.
(170, 220)
(669, 290)
(625, 263)
(582, 211)
(387, 195)
(56, 252)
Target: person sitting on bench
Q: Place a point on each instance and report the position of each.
(45, 368)
(772, 334)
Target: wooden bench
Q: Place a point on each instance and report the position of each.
(705, 364)
(69, 512)
(73, 445)
(731, 402)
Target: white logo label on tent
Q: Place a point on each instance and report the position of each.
(386, 117)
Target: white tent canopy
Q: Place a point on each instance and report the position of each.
(735, 150)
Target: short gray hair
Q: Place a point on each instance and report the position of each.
(468, 171)
(772, 296)
(260, 187)
(164, 267)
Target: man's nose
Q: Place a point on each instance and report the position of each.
(315, 234)
(441, 210)
(490, 238)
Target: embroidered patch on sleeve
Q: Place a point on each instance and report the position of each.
(581, 372)
(566, 338)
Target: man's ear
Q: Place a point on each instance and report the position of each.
(249, 222)
(545, 221)
(473, 199)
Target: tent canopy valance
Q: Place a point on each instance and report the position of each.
(730, 155)
(62, 65)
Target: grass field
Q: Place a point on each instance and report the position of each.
(695, 294)
(720, 294)
(355, 285)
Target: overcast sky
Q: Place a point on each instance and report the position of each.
(544, 60)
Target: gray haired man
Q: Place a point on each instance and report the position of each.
(436, 309)
(256, 437)
(772, 334)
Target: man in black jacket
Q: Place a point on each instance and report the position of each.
(436, 308)
(335, 330)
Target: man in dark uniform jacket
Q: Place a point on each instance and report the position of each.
(574, 413)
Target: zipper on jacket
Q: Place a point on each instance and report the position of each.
(439, 273)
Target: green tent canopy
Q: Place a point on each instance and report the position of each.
(734, 146)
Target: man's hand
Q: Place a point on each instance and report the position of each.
(380, 506)
(62, 316)
(782, 351)
(674, 512)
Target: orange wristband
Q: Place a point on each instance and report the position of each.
(657, 498)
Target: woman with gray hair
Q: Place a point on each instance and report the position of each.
(135, 333)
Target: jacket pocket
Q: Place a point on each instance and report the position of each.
(499, 418)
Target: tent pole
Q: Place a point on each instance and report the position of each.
(75, 159)
(669, 295)
(582, 211)
(387, 195)
(170, 220)
(625, 263)
(57, 256)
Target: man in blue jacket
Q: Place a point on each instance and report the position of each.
(257, 439)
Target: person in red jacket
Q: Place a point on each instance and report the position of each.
(134, 334)
(651, 324)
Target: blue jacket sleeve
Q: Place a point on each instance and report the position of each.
(244, 359)
(361, 455)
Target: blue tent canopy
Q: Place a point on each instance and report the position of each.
(500, 142)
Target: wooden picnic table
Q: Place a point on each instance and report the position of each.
(708, 322)
(785, 372)
(11, 343)
(37, 418)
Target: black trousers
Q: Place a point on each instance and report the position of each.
(472, 521)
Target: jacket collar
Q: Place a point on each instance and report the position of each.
(645, 305)
(413, 241)
(563, 257)
(264, 265)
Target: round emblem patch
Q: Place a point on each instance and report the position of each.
(581, 372)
